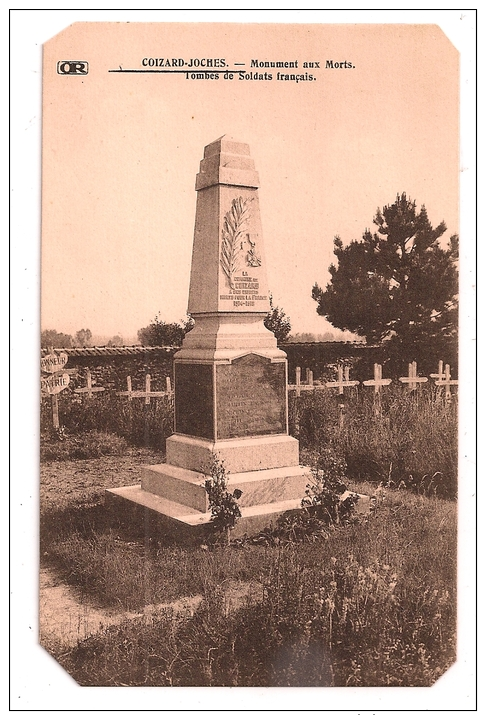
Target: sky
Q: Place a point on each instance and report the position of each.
(121, 152)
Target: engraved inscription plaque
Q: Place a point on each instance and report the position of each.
(194, 413)
(250, 398)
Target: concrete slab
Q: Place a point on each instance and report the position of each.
(258, 487)
(190, 522)
(157, 514)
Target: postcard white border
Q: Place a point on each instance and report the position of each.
(37, 681)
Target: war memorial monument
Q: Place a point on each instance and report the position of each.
(230, 378)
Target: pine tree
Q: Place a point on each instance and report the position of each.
(397, 286)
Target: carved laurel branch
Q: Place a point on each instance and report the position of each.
(234, 224)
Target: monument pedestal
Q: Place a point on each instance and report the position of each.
(177, 496)
(230, 378)
(189, 524)
(238, 455)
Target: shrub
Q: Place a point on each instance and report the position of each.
(225, 511)
(324, 496)
(326, 504)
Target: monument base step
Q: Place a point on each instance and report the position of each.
(258, 487)
(146, 508)
(238, 455)
(157, 514)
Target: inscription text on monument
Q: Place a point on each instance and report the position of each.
(250, 398)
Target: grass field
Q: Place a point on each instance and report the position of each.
(367, 603)
(372, 603)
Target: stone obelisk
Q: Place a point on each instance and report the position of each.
(230, 378)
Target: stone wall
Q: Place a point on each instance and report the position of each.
(110, 367)
(322, 358)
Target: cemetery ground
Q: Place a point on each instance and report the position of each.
(368, 602)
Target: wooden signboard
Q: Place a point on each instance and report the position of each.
(53, 363)
(55, 383)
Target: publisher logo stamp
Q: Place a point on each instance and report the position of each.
(72, 67)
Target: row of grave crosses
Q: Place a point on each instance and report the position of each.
(442, 379)
(58, 379)
(148, 393)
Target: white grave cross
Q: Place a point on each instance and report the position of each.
(444, 380)
(298, 384)
(89, 389)
(412, 380)
(342, 383)
(147, 394)
(441, 374)
(378, 381)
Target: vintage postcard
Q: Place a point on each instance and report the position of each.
(251, 469)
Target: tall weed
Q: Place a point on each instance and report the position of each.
(342, 624)
(140, 424)
(373, 604)
(411, 442)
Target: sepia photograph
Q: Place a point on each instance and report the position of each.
(253, 470)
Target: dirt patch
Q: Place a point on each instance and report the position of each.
(66, 618)
(66, 614)
(86, 479)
